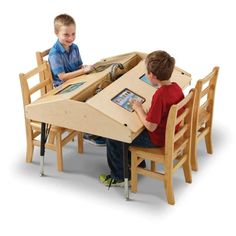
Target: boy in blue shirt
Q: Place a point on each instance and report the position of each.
(64, 57)
(65, 60)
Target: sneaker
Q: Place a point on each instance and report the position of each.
(95, 140)
(108, 181)
(100, 141)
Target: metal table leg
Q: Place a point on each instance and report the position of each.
(126, 170)
(42, 148)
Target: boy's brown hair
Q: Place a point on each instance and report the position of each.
(62, 20)
(161, 64)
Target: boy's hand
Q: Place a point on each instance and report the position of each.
(87, 68)
(135, 104)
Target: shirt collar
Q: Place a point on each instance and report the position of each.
(61, 48)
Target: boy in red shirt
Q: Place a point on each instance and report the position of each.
(160, 66)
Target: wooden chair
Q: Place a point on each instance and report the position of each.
(203, 114)
(33, 128)
(40, 58)
(175, 154)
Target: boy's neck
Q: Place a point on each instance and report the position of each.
(66, 48)
(164, 82)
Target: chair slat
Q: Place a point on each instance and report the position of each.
(149, 173)
(205, 105)
(205, 91)
(181, 132)
(39, 86)
(180, 147)
(35, 71)
(202, 133)
(182, 116)
(180, 163)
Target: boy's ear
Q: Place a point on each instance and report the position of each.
(153, 76)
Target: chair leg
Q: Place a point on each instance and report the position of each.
(30, 145)
(134, 175)
(208, 142)
(59, 151)
(153, 166)
(187, 172)
(29, 150)
(194, 163)
(51, 137)
(168, 183)
(80, 142)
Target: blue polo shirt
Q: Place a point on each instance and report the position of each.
(62, 61)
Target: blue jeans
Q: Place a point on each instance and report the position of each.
(115, 153)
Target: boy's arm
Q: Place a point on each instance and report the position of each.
(137, 106)
(70, 75)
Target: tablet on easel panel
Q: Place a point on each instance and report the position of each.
(123, 99)
(145, 79)
(70, 88)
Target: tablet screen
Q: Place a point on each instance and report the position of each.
(70, 88)
(123, 99)
(145, 79)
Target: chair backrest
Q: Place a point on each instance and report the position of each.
(30, 88)
(178, 130)
(204, 100)
(41, 57)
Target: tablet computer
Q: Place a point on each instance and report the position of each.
(70, 88)
(123, 99)
(145, 79)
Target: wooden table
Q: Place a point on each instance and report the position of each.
(85, 110)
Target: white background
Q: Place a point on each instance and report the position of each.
(199, 34)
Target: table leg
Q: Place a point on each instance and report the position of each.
(126, 170)
(42, 148)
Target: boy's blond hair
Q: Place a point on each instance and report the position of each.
(62, 20)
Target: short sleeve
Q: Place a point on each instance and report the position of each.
(56, 64)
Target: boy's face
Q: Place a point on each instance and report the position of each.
(66, 35)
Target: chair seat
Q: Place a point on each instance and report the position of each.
(155, 154)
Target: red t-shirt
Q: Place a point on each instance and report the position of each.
(162, 100)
